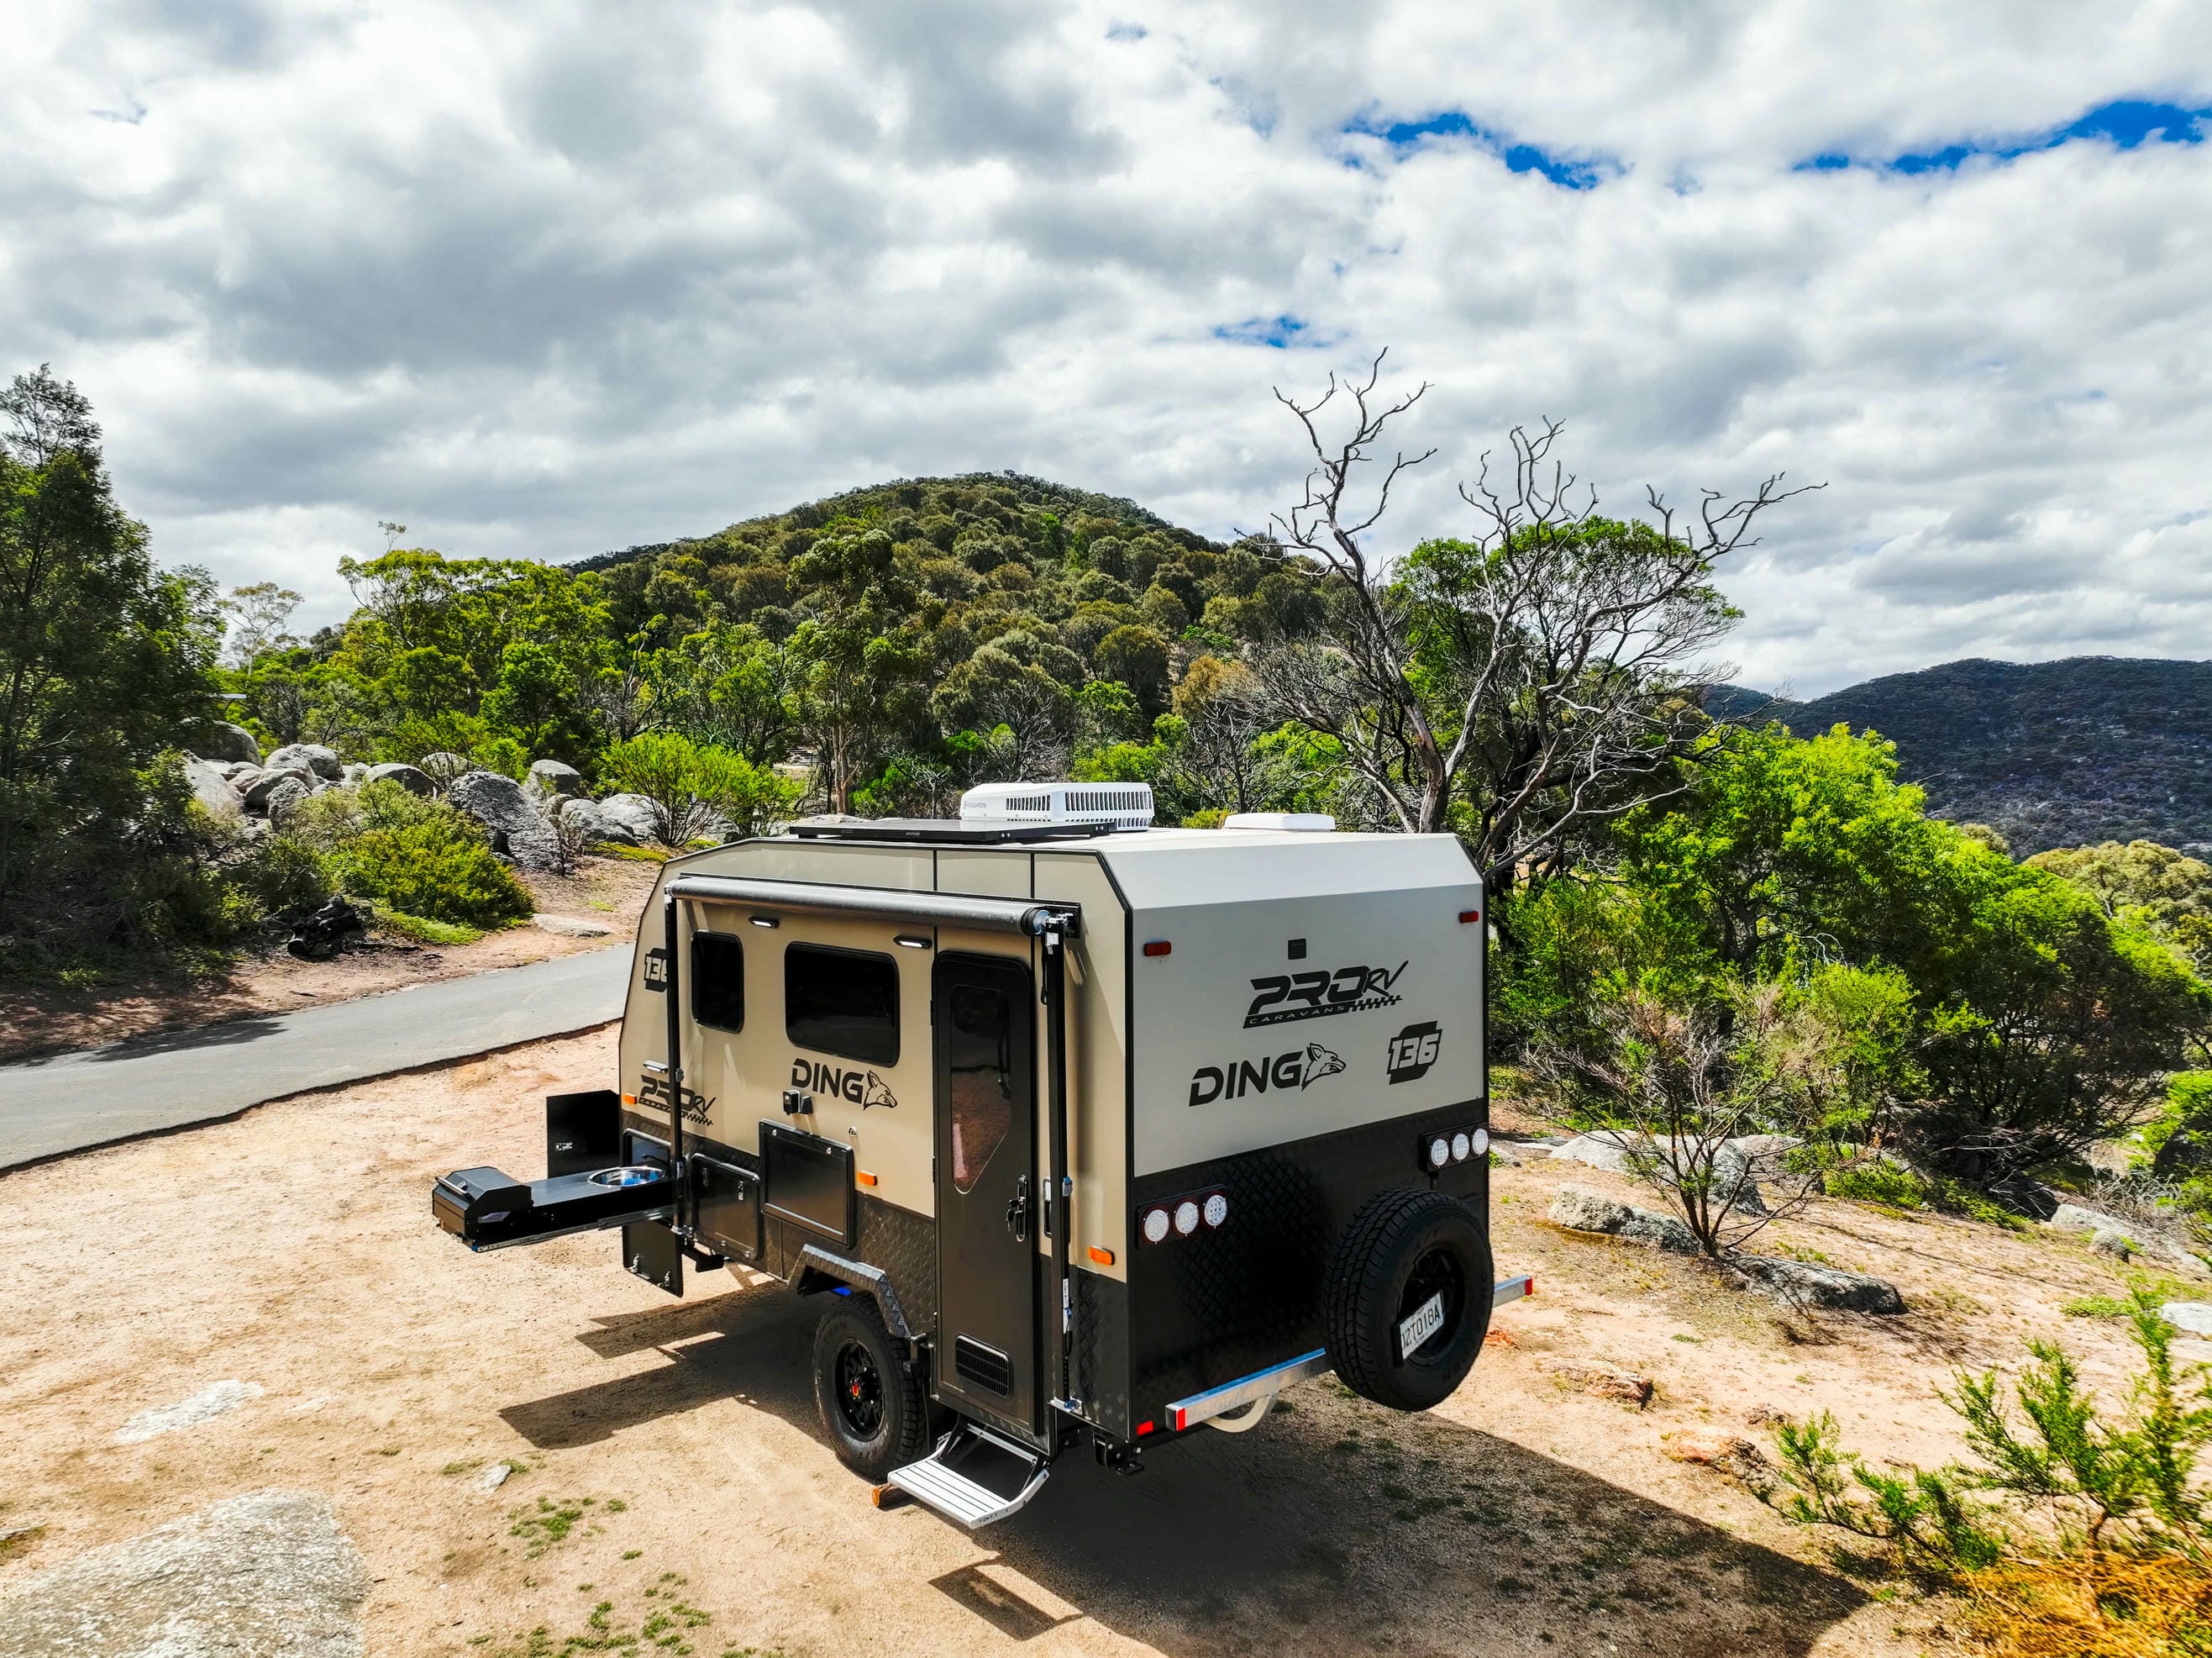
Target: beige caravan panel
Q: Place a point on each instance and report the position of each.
(1097, 1047)
(996, 874)
(881, 1109)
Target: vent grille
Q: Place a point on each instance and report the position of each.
(1127, 806)
(986, 1367)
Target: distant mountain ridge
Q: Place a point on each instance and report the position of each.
(2063, 753)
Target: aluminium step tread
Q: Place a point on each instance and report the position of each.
(963, 1501)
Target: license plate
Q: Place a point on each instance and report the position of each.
(1425, 1321)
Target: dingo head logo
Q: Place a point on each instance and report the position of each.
(859, 1086)
(1320, 1062)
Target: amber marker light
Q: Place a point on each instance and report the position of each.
(864, 1177)
(1104, 1257)
(630, 1099)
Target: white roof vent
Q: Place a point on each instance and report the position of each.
(1310, 823)
(1124, 805)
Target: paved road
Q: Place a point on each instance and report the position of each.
(74, 1100)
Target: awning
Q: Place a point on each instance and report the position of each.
(999, 915)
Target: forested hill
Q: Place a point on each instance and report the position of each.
(2049, 754)
(958, 501)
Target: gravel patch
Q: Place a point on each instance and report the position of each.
(210, 1401)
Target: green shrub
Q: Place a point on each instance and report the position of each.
(420, 857)
(440, 866)
(1879, 1182)
(284, 875)
(686, 781)
(422, 929)
(2057, 1488)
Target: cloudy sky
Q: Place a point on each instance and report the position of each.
(545, 279)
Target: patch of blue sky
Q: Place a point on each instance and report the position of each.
(2125, 123)
(1280, 333)
(1569, 172)
(1127, 32)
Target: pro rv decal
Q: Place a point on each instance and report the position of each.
(1412, 1050)
(1311, 996)
(1299, 1068)
(862, 1087)
(654, 1091)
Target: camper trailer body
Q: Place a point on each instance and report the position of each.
(1088, 1118)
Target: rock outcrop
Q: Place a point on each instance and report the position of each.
(412, 779)
(311, 758)
(1578, 1209)
(1804, 1283)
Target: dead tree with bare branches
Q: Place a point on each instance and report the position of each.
(1522, 685)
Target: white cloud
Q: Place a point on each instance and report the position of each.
(548, 280)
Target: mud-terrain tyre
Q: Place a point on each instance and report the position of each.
(872, 1401)
(1403, 1248)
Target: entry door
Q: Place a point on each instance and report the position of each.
(988, 1205)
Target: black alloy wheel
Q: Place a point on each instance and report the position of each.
(873, 1397)
(1437, 1271)
(860, 1391)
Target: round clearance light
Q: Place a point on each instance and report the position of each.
(1156, 1225)
(1460, 1148)
(1186, 1219)
(1481, 1141)
(1217, 1209)
(1439, 1152)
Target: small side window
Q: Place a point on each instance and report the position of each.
(718, 981)
(841, 1002)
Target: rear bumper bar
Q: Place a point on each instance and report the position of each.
(1266, 1383)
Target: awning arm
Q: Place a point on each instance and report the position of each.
(1000, 915)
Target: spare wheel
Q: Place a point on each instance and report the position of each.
(1413, 1267)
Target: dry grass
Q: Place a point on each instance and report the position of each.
(2113, 1607)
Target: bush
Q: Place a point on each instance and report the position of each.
(690, 782)
(421, 857)
(1878, 1182)
(2070, 1531)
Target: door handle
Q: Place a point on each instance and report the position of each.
(1017, 1211)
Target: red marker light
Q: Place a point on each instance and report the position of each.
(1466, 916)
(1158, 946)
(1144, 1427)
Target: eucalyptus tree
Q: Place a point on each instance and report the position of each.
(1520, 686)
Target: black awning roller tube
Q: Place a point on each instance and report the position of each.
(997, 915)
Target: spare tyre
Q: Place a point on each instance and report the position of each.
(1409, 1298)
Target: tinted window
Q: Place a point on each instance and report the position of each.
(979, 1053)
(841, 1002)
(717, 980)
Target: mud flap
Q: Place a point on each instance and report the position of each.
(652, 1252)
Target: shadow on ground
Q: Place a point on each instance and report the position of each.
(1337, 1527)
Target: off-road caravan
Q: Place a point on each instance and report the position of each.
(1090, 1136)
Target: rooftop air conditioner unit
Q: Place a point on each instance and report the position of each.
(1124, 805)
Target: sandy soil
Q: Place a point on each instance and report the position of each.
(673, 1446)
(56, 1018)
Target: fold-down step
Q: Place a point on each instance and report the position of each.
(973, 1478)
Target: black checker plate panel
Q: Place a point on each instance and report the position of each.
(1219, 1305)
(904, 1244)
(1101, 1351)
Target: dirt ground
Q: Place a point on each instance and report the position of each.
(670, 1467)
(56, 1018)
